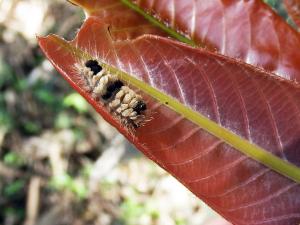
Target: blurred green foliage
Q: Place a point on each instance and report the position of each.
(77, 102)
(14, 213)
(65, 182)
(180, 221)
(5, 79)
(28, 107)
(13, 159)
(62, 121)
(12, 189)
(13, 193)
(132, 211)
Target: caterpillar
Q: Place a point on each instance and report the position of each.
(117, 97)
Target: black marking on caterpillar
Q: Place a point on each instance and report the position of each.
(94, 66)
(119, 98)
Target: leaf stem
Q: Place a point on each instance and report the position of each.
(158, 23)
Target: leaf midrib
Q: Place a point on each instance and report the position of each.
(161, 25)
(252, 150)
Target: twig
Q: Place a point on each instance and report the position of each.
(33, 199)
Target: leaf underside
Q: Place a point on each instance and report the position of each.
(246, 30)
(255, 105)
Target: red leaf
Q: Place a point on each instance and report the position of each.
(251, 103)
(246, 30)
(124, 23)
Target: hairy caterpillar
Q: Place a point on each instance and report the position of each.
(117, 97)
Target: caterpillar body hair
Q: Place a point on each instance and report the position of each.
(123, 102)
